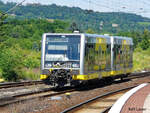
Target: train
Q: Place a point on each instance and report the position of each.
(75, 58)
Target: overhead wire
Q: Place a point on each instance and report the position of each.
(15, 6)
(98, 4)
(144, 9)
(121, 6)
(11, 9)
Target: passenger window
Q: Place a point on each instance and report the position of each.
(107, 46)
(120, 52)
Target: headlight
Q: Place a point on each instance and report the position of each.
(48, 65)
(75, 65)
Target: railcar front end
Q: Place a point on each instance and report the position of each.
(60, 58)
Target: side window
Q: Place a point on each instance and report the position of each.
(108, 56)
(90, 56)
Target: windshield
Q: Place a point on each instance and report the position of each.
(62, 48)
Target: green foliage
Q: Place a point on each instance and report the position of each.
(145, 43)
(141, 59)
(74, 27)
(2, 26)
(1, 71)
(144, 23)
(2, 17)
(90, 31)
(32, 60)
(28, 74)
(14, 58)
(10, 58)
(21, 44)
(84, 19)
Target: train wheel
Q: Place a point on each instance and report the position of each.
(109, 80)
(121, 79)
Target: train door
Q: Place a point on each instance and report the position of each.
(100, 48)
(108, 57)
(125, 55)
(117, 55)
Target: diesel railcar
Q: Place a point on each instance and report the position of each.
(76, 58)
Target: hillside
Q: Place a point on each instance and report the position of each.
(99, 22)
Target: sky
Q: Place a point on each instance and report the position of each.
(140, 7)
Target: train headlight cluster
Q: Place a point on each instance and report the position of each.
(62, 65)
(48, 65)
(75, 65)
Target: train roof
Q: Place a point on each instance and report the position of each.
(90, 35)
(124, 38)
(107, 36)
(129, 39)
(96, 35)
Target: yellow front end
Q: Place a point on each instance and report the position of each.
(2, 80)
(43, 77)
(86, 77)
(80, 77)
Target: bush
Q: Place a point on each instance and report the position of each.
(145, 43)
(28, 74)
(10, 59)
(32, 60)
(1, 71)
(141, 59)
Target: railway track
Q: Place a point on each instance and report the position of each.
(42, 93)
(138, 75)
(48, 92)
(18, 84)
(99, 104)
(103, 103)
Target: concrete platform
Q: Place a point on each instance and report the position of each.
(136, 100)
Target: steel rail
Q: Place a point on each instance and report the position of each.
(18, 84)
(106, 110)
(40, 94)
(28, 96)
(134, 75)
(95, 98)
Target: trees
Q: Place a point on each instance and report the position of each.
(74, 27)
(145, 41)
(10, 58)
(20, 49)
(91, 31)
(84, 20)
(2, 26)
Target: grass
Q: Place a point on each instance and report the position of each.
(144, 23)
(141, 59)
(29, 74)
